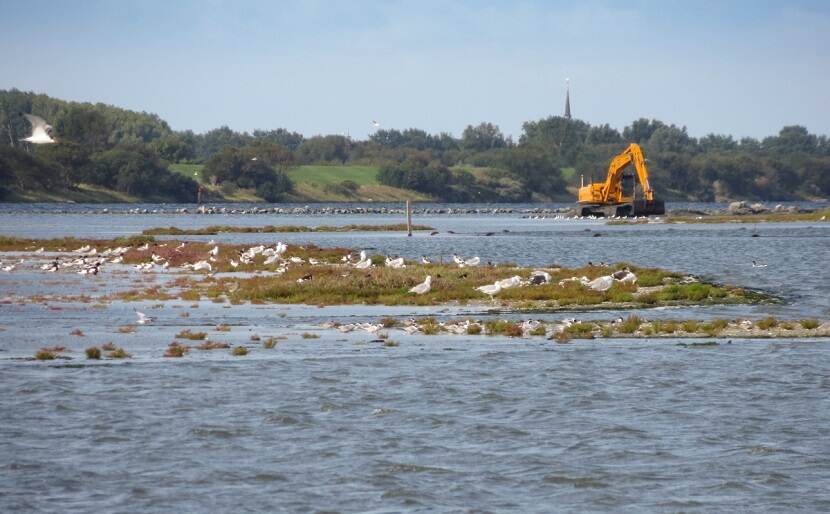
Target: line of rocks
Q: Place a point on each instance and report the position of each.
(321, 211)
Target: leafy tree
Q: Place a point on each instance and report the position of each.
(535, 168)
(484, 136)
(641, 130)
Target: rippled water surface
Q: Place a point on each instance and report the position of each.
(448, 423)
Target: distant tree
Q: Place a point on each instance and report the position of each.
(535, 168)
(324, 149)
(670, 138)
(790, 140)
(641, 130)
(603, 134)
(561, 138)
(281, 136)
(83, 125)
(175, 147)
(717, 143)
(484, 136)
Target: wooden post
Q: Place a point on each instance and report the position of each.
(408, 219)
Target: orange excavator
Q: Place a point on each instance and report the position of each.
(616, 196)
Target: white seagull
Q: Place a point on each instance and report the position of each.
(490, 289)
(143, 319)
(423, 287)
(41, 131)
(375, 124)
(758, 265)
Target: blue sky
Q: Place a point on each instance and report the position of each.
(744, 68)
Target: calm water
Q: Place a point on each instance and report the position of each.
(342, 424)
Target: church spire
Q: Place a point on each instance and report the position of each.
(567, 99)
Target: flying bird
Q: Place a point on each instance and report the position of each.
(143, 319)
(375, 124)
(41, 131)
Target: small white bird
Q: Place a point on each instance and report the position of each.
(364, 264)
(424, 260)
(234, 264)
(143, 319)
(202, 265)
(395, 263)
(143, 247)
(423, 287)
(296, 260)
(490, 289)
(458, 260)
(472, 262)
(41, 131)
(39, 250)
(215, 251)
(758, 265)
(8, 268)
(375, 124)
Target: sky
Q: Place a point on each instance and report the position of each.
(744, 68)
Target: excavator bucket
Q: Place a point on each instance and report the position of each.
(648, 208)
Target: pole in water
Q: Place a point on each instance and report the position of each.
(408, 219)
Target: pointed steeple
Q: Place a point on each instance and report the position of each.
(567, 99)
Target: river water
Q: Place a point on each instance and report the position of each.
(436, 424)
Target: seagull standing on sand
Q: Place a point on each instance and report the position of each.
(423, 287)
(41, 131)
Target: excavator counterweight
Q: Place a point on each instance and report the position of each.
(616, 194)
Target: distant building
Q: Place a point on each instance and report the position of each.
(567, 99)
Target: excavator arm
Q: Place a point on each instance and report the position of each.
(632, 154)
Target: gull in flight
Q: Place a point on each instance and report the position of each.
(143, 319)
(375, 124)
(41, 131)
(423, 287)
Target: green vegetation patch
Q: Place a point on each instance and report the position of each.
(269, 229)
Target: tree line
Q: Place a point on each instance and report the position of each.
(131, 152)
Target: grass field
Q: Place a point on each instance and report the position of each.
(188, 170)
(322, 175)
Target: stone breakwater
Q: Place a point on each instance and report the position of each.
(319, 211)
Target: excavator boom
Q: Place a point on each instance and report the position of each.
(602, 197)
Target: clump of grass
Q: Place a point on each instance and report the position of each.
(213, 345)
(630, 325)
(193, 336)
(119, 353)
(389, 322)
(44, 355)
(269, 343)
(691, 326)
(539, 331)
(561, 337)
(309, 335)
(473, 329)
(176, 350)
(607, 331)
(126, 329)
(77, 332)
(766, 323)
(390, 343)
(93, 352)
(503, 327)
(646, 331)
(809, 324)
(786, 325)
(714, 327)
(580, 330)
(223, 328)
(429, 326)
(239, 351)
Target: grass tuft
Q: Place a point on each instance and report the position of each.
(767, 323)
(44, 355)
(309, 335)
(193, 336)
(809, 324)
(239, 351)
(93, 352)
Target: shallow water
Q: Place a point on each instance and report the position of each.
(449, 423)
